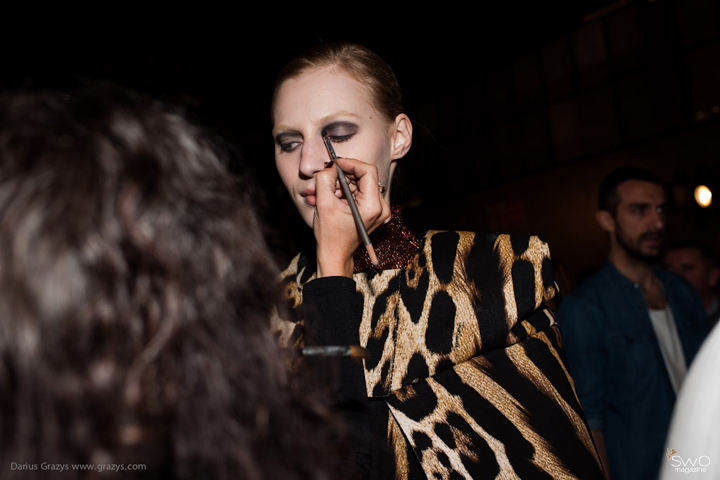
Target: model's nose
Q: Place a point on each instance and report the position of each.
(313, 157)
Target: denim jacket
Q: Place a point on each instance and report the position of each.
(618, 368)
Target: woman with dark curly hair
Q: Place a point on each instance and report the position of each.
(135, 296)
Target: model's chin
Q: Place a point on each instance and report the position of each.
(307, 212)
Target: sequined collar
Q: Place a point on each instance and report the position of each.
(395, 246)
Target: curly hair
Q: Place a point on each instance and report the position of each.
(135, 296)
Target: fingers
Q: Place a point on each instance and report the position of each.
(351, 184)
(325, 188)
(373, 206)
(362, 177)
(358, 170)
(363, 182)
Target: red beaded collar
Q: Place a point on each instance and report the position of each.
(395, 246)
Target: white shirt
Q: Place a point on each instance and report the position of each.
(664, 325)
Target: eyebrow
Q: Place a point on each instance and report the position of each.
(283, 130)
(342, 113)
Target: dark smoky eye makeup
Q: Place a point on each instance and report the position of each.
(288, 141)
(340, 131)
(284, 137)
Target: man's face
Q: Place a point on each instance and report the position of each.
(639, 223)
(692, 265)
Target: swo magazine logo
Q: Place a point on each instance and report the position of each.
(688, 465)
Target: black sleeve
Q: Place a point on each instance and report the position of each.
(333, 312)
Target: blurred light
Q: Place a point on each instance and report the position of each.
(703, 196)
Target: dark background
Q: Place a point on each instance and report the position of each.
(519, 108)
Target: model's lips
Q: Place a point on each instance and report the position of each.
(309, 195)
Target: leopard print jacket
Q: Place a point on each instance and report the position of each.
(467, 359)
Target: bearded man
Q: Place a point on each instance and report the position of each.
(631, 330)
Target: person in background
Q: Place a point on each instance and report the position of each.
(135, 297)
(631, 330)
(697, 263)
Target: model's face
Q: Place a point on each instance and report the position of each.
(690, 264)
(640, 219)
(325, 100)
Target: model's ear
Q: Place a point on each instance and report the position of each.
(605, 220)
(400, 137)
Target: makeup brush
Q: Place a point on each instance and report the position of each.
(351, 201)
(354, 351)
